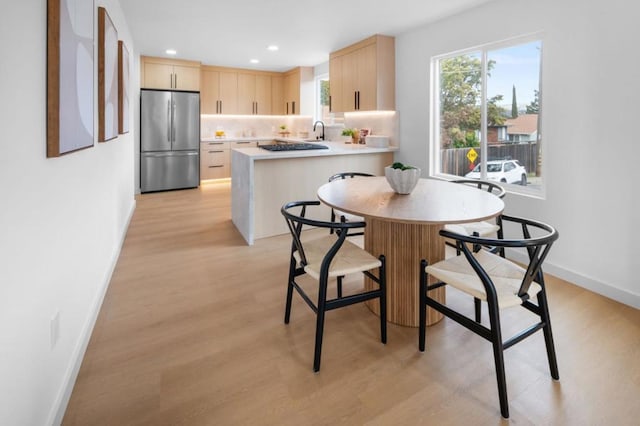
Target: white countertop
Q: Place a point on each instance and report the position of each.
(335, 148)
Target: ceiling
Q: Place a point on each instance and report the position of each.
(231, 32)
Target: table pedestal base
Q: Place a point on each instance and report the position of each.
(404, 245)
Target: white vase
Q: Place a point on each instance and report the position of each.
(402, 181)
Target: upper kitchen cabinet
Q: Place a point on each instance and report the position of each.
(172, 74)
(363, 76)
(219, 90)
(277, 95)
(254, 93)
(294, 83)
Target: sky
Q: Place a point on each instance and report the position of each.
(519, 66)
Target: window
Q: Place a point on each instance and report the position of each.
(322, 98)
(486, 112)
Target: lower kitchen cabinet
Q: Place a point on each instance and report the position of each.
(215, 158)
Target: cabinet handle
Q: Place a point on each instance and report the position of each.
(176, 81)
(355, 100)
(293, 107)
(216, 143)
(239, 142)
(358, 100)
(211, 152)
(330, 106)
(220, 107)
(213, 167)
(287, 108)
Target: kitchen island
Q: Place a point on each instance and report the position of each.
(262, 181)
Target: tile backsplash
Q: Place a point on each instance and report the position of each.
(267, 126)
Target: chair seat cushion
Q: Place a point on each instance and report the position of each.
(481, 228)
(349, 259)
(348, 216)
(506, 276)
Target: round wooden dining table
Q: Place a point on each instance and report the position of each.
(405, 229)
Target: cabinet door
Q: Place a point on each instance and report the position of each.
(228, 92)
(277, 95)
(367, 78)
(158, 76)
(292, 93)
(210, 91)
(349, 81)
(186, 78)
(263, 94)
(246, 93)
(335, 84)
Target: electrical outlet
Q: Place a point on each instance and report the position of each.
(55, 329)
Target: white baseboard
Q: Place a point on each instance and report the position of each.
(62, 400)
(625, 297)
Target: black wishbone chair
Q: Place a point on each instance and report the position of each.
(329, 256)
(500, 283)
(482, 228)
(337, 215)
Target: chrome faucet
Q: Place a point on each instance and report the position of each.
(314, 129)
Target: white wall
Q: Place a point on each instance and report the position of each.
(62, 222)
(590, 106)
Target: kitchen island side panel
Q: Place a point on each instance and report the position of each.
(242, 206)
(277, 181)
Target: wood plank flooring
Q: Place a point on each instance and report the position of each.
(191, 332)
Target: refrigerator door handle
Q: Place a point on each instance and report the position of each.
(169, 120)
(173, 114)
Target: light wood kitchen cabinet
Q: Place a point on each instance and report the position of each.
(254, 93)
(277, 95)
(291, 90)
(215, 160)
(219, 92)
(171, 74)
(215, 157)
(363, 76)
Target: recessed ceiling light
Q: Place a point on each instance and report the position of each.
(272, 47)
(170, 52)
(254, 61)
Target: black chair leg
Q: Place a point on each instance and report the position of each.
(422, 322)
(498, 356)
(548, 335)
(322, 298)
(340, 286)
(382, 277)
(287, 309)
(477, 303)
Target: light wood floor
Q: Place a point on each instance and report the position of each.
(191, 332)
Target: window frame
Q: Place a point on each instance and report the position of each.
(434, 116)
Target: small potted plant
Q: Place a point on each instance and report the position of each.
(353, 133)
(402, 178)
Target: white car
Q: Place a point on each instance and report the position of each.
(505, 171)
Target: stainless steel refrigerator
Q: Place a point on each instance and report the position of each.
(169, 140)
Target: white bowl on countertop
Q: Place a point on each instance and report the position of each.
(377, 141)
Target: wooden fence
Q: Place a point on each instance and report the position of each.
(455, 161)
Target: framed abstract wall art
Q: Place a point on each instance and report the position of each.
(107, 77)
(70, 76)
(123, 88)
